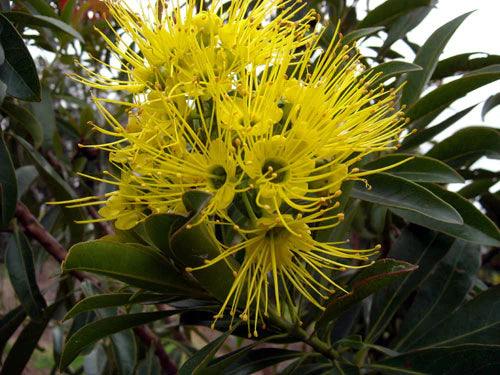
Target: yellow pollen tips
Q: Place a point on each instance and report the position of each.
(246, 107)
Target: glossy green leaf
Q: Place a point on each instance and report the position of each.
(44, 112)
(42, 7)
(21, 269)
(25, 120)
(8, 185)
(446, 94)
(389, 10)
(99, 329)
(253, 361)
(125, 351)
(403, 24)
(444, 291)
(463, 63)
(476, 322)
(110, 300)
(391, 69)
(9, 323)
(426, 135)
(397, 192)
(25, 176)
(417, 246)
(477, 187)
(489, 104)
(468, 145)
(59, 188)
(360, 33)
(192, 245)
(476, 228)
(31, 20)
(418, 168)
(159, 229)
(462, 359)
(368, 281)
(26, 343)
(134, 264)
(197, 364)
(427, 57)
(18, 71)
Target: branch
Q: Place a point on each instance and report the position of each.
(37, 232)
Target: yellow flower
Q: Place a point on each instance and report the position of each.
(248, 116)
(184, 51)
(278, 254)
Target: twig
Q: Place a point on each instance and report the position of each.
(37, 232)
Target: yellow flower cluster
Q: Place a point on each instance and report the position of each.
(239, 101)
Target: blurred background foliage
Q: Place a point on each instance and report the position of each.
(429, 305)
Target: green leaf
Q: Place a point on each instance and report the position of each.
(467, 145)
(446, 94)
(136, 265)
(490, 103)
(389, 10)
(419, 168)
(397, 192)
(110, 300)
(444, 291)
(44, 111)
(96, 361)
(26, 343)
(99, 329)
(198, 363)
(427, 57)
(25, 176)
(31, 20)
(417, 246)
(192, 245)
(403, 24)
(463, 63)
(125, 351)
(253, 361)
(9, 323)
(391, 69)
(21, 269)
(476, 322)
(476, 228)
(18, 71)
(159, 229)
(42, 7)
(26, 120)
(360, 33)
(463, 359)
(368, 281)
(477, 187)
(149, 365)
(59, 188)
(8, 185)
(67, 11)
(426, 135)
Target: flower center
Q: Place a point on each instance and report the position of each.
(218, 176)
(275, 169)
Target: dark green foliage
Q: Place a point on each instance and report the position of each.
(428, 304)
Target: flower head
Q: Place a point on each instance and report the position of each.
(282, 252)
(248, 108)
